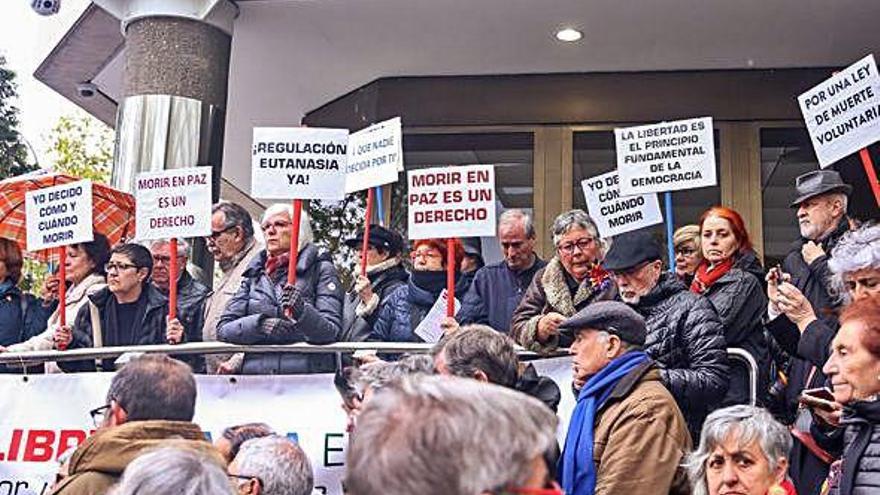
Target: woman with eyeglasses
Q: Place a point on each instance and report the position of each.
(688, 256)
(85, 276)
(21, 315)
(268, 310)
(731, 277)
(407, 306)
(572, 280)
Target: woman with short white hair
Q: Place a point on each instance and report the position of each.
(742, 450)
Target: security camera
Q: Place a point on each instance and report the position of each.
(86, 89)
(46, 7)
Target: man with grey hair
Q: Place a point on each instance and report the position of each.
(191, 293)
(571, 280)
(438, 435)
(233, 246)
(497, 289)
(626, 434)
(821, 205)
(174, 470)
(272, 465)
(481, 353)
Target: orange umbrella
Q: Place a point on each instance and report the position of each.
(113, 210)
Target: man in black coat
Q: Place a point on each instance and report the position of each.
(821, 204)
(685, 336)
(385, 272)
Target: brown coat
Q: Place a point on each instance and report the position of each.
(99, 462)
(640, 438)
(549, 293)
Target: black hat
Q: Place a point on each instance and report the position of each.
(818, 182)
(609, 316)
(472, 246)
(630, 249)
(380, 237)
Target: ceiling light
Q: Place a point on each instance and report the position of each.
(569, 35)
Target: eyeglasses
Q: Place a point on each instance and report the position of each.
(109, 267)
(686, 251)
(98, 414)
(279, 225)
(159, 259)
(215, 234)
(425, 254)
(580, 244)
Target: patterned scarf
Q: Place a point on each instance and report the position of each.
(275, 263)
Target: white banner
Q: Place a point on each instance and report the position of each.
(615, 214)
(666, 157)
(375, 156)
(46, 414)
(173, 203)
(299, 163)
(59, 215)
(842, 113)
(456, 201)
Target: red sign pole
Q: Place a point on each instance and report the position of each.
(294, 241)
(872, 175)
(366, 232)
(62, 287)
(172, 278)
(450, 277)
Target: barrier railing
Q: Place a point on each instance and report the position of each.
(746, 357)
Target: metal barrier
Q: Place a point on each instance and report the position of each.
(744, 356)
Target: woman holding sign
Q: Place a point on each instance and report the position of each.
(408, 305)
(731, 276)
(266, 310)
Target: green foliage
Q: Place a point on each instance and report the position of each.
(33, 273)
(82, 146)
(13, 153)
(332, 224)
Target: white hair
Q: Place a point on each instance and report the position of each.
(856, 250)
(280, 464)
(579, 219)
(517, 216)
(306, 236)
(182, 246)
(184, 470)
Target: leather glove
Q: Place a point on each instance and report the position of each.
(281, 330)
(292, 301)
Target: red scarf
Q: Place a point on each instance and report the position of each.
(704, 278)
(273, 263)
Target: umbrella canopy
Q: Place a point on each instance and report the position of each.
(113, 210)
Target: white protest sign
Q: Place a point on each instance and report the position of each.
(59, 215)
(666, 157)
(429, 328)
(843, 112)
(454, 201)
(375, 156)
(299, 163)
(173, 203)
(615, 214)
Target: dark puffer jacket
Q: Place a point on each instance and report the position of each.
(258, 298)
(860, 468)
(16, 326)
(686, 339)
(357, 328)
(740, 301)
(191, 296)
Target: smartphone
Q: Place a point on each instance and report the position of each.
(776, 279)
(820, 398)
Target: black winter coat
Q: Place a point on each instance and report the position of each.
(21, 316)
(740, 301)
(151, 329)
(686, 339)
(358, 328)
(191, 295)
(860, 468)
(258, 298)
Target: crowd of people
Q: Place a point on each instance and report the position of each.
(659, 406)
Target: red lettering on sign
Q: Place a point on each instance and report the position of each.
(38, 447)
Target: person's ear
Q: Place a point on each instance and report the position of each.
(480, 376)
(781, 469)
(142, 274)
(116, 415)
(613, 346)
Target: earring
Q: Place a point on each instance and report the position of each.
(776, 489)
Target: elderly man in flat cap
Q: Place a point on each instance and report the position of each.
(626, 434)
(804, 280)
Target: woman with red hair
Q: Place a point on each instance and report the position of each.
(407, 306)
(731, 277)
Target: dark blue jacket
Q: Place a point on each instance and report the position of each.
(258, 298)
(405, 308)
(17, 326)
(495, 293)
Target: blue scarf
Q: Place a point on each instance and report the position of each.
(576, 468)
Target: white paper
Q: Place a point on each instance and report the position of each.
(299, 163)
(59, 215)
(615, 214)
(454, 201)
(429, 329)
(669, 156)
(375, 156)
(842, 113)
(173, 203)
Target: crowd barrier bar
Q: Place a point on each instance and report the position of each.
(746, 357)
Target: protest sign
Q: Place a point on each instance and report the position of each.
(842, 113)
(429, 328)
(666, 157)
(615, 214)
(375, 156)
(299, 163)
(454, 201)
(59, 215)
(173, 203)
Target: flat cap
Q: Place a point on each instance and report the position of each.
(609, 316)
(630, 249)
